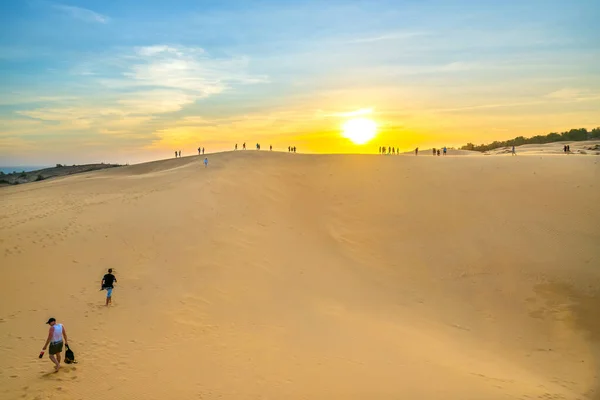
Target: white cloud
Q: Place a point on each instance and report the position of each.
(82, 14)
(132, 90)
(164, 78)
(189, 68)
(155, 101)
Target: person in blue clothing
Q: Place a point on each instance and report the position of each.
(205, 162)
(108, 282)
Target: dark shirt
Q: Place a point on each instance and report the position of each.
(108, 280)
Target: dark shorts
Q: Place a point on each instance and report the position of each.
(55, 348)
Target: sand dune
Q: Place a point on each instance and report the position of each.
(278, 276)
(586, 147)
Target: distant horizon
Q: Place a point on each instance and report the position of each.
(21, 168)
(374, 151)
(28, 168)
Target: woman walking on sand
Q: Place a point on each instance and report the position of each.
(56, 333)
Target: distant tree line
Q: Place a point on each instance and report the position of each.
(572, 135)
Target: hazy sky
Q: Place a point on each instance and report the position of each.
(130, 80)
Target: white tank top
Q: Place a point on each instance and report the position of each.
(57, 336)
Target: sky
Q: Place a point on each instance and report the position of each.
(131, 81)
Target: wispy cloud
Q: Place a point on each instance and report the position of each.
(387, 36)
(452, 67)
(145, 84)
(188, 69)
(573, 94)
(173, 76)
(362, 111)
(82, 14)
(485, 106)
(568, 95)
(283, 123)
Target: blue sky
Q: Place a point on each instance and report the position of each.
(131, 81)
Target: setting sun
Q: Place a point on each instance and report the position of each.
(359, 130)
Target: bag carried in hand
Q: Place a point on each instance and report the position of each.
(69, 356)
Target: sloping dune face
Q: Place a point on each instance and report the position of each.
(308, 277)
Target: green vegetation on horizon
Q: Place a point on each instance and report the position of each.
(572, 135)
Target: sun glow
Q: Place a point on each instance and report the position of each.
(359, 130)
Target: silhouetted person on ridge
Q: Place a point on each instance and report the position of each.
(417, 151)
(271, 147)
(438, 152)
(433, 151)
(179, 153)
(199, 150)
(445, 150)
(236, 146)
(244, 146)
(203, 150)
(175, 154)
